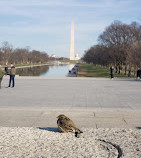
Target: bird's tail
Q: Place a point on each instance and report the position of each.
(78, 130)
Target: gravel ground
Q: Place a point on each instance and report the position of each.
(32, 142)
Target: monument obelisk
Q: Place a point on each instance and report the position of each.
(72, 42)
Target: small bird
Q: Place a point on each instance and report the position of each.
(66, 125)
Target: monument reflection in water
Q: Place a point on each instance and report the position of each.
(45, 71)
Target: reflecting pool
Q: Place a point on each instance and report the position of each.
(46, 70)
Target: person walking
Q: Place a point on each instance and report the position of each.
(112, 72)
(12, 76)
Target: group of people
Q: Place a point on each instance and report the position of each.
(11, 73)
(112, 72)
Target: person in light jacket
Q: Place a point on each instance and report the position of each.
(12, 76)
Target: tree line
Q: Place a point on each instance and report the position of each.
(119, 46)
(21, 55)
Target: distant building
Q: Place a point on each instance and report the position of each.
(77, 57)
(72, 57)
(53, 56)
(72, 42)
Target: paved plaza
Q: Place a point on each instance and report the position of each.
(90, 102)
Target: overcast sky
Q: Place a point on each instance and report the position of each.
(45, 24)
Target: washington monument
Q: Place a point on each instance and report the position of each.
(72, 42)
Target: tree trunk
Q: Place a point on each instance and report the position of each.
(134, 71)
(116, 69)
(125, 70)
(119, 69)
(129, 71)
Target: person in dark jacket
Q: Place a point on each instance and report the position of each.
(12, 76)
(112, 72)
(139, 73)
(6, 69)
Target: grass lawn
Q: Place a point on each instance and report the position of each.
(90, 70)
(69, 61)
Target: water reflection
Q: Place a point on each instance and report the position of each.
(45, 71)
(32, 71)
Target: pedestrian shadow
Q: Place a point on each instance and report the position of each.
(51, 129)
(138, 127)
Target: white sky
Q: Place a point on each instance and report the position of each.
(45, 24)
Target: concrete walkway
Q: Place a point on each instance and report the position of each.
(90, 102)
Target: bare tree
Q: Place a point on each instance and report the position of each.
(6, 50)
(21, 55)
(119, 45)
